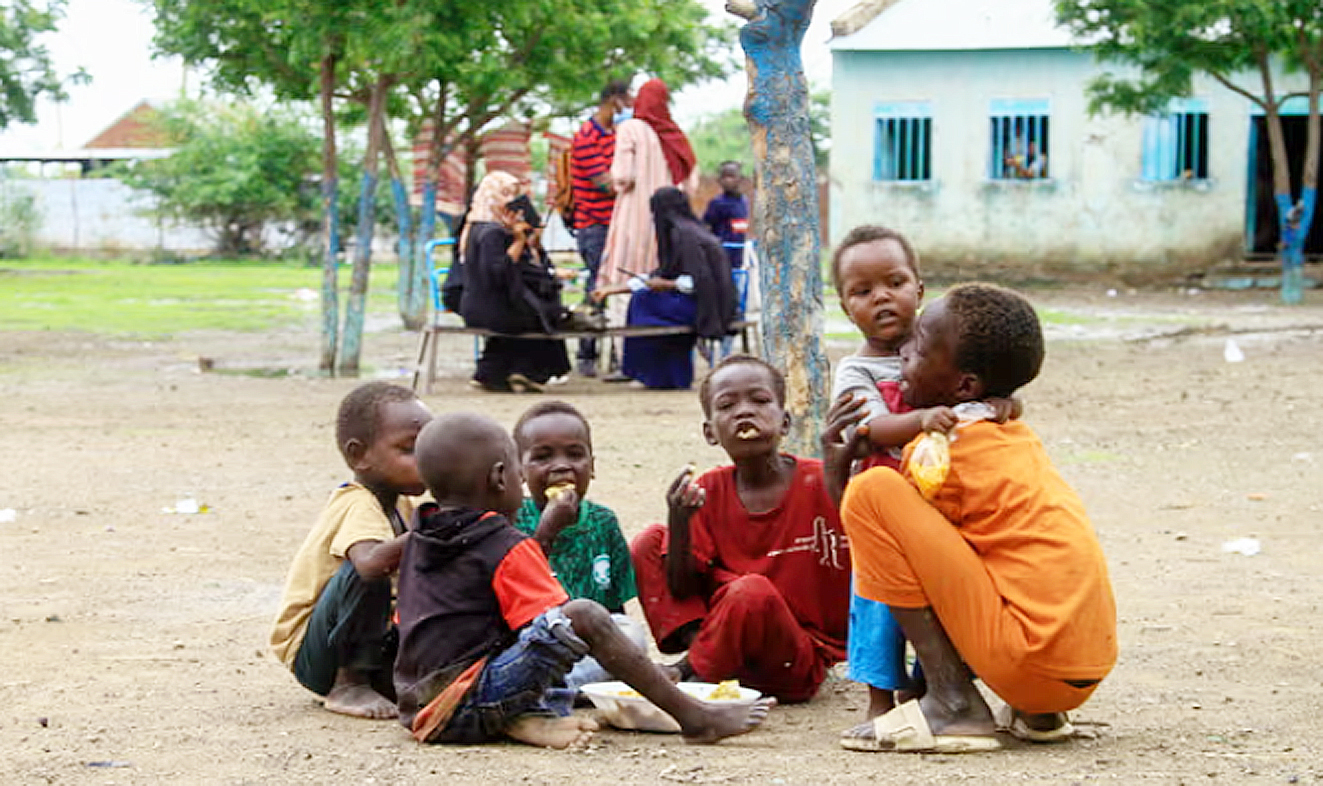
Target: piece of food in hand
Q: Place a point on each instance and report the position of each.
(725, 691)
(554, 492)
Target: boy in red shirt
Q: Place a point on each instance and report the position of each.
(751, 573)
(485, 628)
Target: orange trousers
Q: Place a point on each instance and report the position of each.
(909, 556)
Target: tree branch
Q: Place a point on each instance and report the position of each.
(744, 9)
(1235, 88)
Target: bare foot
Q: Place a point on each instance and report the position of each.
(360, 701)
(548, 732)
(722, 722)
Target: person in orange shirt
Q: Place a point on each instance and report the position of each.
(1016, 593)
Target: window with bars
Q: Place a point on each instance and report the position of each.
(1176, 142)
(902, 142)
(1019, 142)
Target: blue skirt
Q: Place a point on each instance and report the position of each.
(661, 362)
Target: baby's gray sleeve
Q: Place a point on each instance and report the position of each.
(855, 378)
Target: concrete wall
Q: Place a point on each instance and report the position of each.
(103, 216)
(1094, 211)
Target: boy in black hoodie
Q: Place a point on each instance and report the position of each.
(485, 628)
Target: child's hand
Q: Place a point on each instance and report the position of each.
(560, 511)
(838, 453)
(941, 419)
(685, 496)
(1005, 408)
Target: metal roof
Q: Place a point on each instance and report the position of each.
(953, 25)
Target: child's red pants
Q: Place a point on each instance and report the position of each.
(746, 630)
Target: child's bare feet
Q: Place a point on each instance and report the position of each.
(548, 732)
(720, 722)
(360, 701)
(353, 694)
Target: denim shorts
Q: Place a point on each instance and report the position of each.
(519, 681)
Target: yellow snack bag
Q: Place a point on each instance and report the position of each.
(929, 462)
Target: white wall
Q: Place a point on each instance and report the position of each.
(1094, 210)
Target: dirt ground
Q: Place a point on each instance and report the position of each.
(134, 639)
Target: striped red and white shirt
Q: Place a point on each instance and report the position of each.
(593, 148)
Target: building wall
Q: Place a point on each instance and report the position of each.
(1093, 212)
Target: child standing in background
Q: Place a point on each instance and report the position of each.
(334, 630)
(582, 540)
(727, 215)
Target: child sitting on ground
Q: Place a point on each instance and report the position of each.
(751, 574)
(582, 540)
(333, 630)
(1016, 592)
(486, 630)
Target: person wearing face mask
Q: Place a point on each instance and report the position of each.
(594, 195)
(651, 153)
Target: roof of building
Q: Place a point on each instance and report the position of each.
(86, 155)
(950, 25)
(135, 128)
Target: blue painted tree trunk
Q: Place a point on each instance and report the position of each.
(1293, 227)
(422, 269)
(406, 300)
(356, 305)
(785, 214)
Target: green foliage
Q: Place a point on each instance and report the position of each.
(235, 170)
(20, 218)
(1167, 42)
(26, 72)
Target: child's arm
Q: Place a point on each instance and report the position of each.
(559, 513)
(840, 445)
(377, 559)
(683, 498)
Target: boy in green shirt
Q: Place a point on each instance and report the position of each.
(582, 540)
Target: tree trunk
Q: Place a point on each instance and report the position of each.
(411, 317)
(785, 213)
(1293, 268)
(330, 221)
(436, 152)
(356, 306)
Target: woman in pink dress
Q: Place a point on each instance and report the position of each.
(651, 153)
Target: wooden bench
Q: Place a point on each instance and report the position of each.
(427, 344)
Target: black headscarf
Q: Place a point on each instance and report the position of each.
(685, 245)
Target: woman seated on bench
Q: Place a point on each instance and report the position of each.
(691, 286)
(510, 287)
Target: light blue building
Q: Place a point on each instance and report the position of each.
(965, 124)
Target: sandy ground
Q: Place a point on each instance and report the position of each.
(134, 639)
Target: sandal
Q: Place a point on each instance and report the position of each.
(906, 730)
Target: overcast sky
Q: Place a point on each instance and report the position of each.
(111, 39)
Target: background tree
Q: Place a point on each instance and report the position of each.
(1237, 43)
(527, 58)
(26, 72)
(236, 170)
(296, 50)
(785, 214)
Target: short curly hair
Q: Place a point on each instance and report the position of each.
(869, 233)
(997, 336)
(778, 379)
(360, 412)
(550, 408)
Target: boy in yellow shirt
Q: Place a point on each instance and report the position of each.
(334, 629)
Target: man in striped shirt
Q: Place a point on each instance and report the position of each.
(594, 198)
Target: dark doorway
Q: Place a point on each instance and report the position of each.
(1261, 232)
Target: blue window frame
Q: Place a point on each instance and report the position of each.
(903, 141)
(1176, 142)
(1019, 142)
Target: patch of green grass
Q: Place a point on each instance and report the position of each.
(120, 297)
